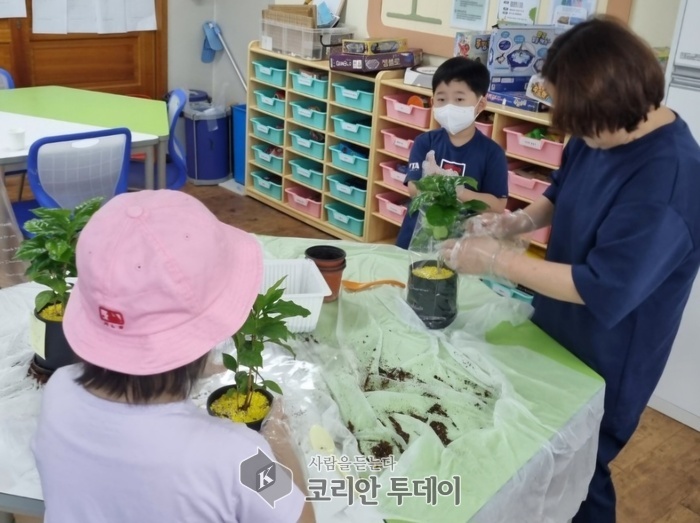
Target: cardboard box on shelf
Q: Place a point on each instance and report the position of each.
(473, 45)
(375, 46)
(376, 62)
(508, 84)
(519, 51)
(517, 100)
(420, 76)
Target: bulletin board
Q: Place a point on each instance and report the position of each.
(430, 21)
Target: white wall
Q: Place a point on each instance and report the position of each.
(654, 20)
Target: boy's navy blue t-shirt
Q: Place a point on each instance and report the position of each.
(627, 219)
(480, 158)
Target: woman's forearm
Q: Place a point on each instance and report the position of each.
(550, 279)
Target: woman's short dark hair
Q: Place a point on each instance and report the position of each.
(473, 73)
(143, 389)
(605, 78)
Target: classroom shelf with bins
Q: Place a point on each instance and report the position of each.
(327, 147)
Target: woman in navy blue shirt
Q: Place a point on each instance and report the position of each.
(625, 243)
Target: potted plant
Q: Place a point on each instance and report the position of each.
(432, 288)
(51, 256)
(248, 400)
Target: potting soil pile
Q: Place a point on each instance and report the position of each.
(518, 428)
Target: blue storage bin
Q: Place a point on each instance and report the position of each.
(271, 71)
(309, 112)
(266, 101)
(353, 126)
(348, 162)
(267, 160)
(239, 131)
(268, 184)
(309, 85)
(307, 172)
(269, 129)
(355, 94)
(345, 217)
(348, 188)
(304, 144)
(508, 291)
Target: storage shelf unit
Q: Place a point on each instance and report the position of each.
(376, 227)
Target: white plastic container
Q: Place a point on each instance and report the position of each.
(304, 285)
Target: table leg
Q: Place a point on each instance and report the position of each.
(149, 171)
(162, 149)
(11, 270)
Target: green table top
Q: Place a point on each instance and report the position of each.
(88, 107)
(535, 386)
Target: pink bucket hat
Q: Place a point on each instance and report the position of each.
(160, 282)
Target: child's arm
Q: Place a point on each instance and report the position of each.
(495, 204)
(419, 151)
(493, 189)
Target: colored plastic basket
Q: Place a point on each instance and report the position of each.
(349, 162)
(271, 71)
(345, 217)
(304, 200)
(267, 160)
(398, 109)
(268, 184)
(355, 94)
(302, 143)
(309, 85)
(348, 188)
(307, 171)
(269, 129)
(265, 101)
(353, 126)
(309, 112)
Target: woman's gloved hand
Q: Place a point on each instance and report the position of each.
(501, 226)
(480, 256)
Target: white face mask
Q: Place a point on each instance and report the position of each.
(455, 118)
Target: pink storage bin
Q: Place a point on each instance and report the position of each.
(400, 140)
(304, 200)
(541, 235)
(392, 206)
(544, 151)
(525, 186)
(398, 109)
(485, 128)
(392, 177)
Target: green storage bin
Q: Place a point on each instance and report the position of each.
(308, 172)
(355, 94)
(349, 163)
(269, 129)
(346, 218)
(353, 126)
(267, 160)
(309, 85)
(265, 101)
(309, 112)
(271, 71)
(302, 143)
(348, 188)
(268, 184)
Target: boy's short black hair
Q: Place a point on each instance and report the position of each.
(473, 73)
(139, 390)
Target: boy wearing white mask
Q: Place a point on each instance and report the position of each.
(459, 90)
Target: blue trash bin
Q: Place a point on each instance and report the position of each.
(207, 139)
(239, 125)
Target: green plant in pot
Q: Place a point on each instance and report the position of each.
(248, 400)
(51, 256)
(432, 288)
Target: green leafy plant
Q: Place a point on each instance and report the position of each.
(437, 198)
(265, 323)
(51, 251)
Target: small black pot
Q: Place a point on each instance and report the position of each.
(326, 256)
(57, 352)
(434, 301)
(255, 425)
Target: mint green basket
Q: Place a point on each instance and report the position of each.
(348, 162)
(267, 160)
(345, 217)
(271, 71)
(268, 184)
(269, 129)
(302, 143)
(348, 188)
(309, 112)
(308, 85)
(355, 94)
(307, 172)
(265, 101)
(353, 126)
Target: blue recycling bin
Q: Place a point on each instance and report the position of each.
(207, 142)
(239, 126)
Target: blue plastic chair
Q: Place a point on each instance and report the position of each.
(6, 81)
(176, 168)
(66, 170)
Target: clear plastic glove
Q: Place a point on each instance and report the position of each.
(501, 226)
(430, 166)
(480, 256)
(275, 427)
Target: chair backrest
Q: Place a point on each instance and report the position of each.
(66, 170)
(176, 103)
(6, 81)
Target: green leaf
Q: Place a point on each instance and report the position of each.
(441, 233)
(439, 216)
(269, 384)
(43, 299)
(471, 182)
(286, 346)
(57, 249)
(250, 357)
(230, 362)
(289, 309)
(241, 378)
(275, 329)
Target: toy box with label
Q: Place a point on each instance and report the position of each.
(473, 45)
(374, 46)
(365, 63)
(519, 51)
(508, 84)
(517, 100)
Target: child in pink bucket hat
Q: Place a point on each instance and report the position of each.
(161, 282)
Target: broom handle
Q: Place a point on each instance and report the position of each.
(217, 29)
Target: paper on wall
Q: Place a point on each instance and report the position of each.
(567, 13)
(470, 14)
(518, 11)
(82, 16)
(141, 15)
(13, 9)
(50, 16)
(111, 16)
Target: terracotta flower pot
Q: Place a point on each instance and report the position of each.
(333, 277)
(218, 393)
(433, 300)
